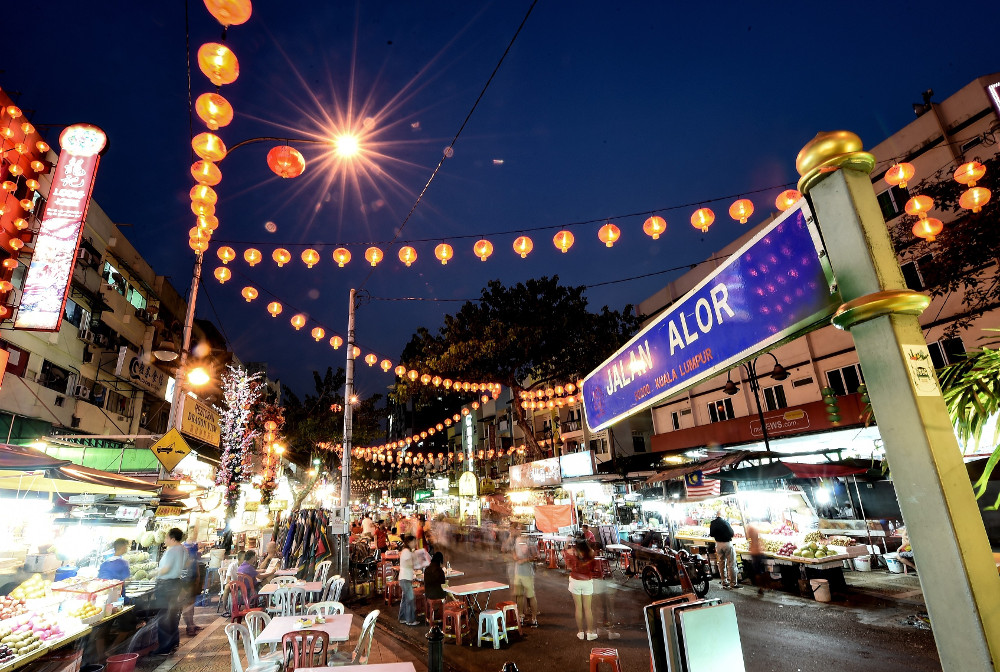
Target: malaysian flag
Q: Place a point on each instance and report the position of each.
(698, 487)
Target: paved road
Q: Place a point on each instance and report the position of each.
(779, 632)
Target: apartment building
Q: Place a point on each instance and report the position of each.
(943, 135)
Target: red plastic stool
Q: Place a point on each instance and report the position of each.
(382, 574)
(434, 611)
(393, 591)
(456, 624)
(511, 616)
(418, 600)
(609, 656)
(550, 551)
(602, 567)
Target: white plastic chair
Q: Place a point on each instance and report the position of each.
(255, 623)
(364, 647)
(333, 589)
(287, 601)
(283, 580)
(325, 608)
(236, 632)
(322, 569)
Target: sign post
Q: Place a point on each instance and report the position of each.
(957, 573)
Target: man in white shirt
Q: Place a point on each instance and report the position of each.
(173, 562)
(368, 526)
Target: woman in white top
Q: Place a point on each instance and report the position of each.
(407, 605)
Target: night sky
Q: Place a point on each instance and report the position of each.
(601, 110)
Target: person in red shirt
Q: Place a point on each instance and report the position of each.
(381, 536)
(581, 586)
(588, 534)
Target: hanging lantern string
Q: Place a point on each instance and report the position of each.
(326, 332)
(518, 231)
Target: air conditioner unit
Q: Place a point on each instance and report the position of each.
(82, 392)
(85, 257)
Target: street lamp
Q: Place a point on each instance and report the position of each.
(778, 373)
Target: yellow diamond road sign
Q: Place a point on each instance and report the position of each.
(170, 449)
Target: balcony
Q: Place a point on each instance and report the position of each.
(571, 426)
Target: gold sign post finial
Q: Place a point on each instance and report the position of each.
(828, 152)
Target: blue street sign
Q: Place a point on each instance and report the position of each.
(775, 288)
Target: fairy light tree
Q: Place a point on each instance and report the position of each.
(241, 394)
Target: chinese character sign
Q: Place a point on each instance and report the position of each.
(47, 282)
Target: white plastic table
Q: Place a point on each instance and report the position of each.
(287, 572)
(338, 626)
(472, 591)
(309, 586)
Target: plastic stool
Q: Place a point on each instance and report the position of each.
(418, 600)
(602, 567)
(550, 551)
(459, 622)
(382, 574)
(491, 628)
(511, 616)
(393, 591)
(609, 656)
(434, 611)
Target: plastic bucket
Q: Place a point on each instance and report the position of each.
(123, 662)
(863, 563)
(821, 589)
(893, 563)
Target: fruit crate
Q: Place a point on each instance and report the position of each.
(96, 591)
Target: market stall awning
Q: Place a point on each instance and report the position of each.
(23, 458)
(823, 470)
(60, 484)
(774, 471)
(783, 470)
(96, 477)
(710, 464)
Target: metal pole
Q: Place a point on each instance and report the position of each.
(176, 402)
(957, 573)
(755, 388)
(435, 649)
(345, 460)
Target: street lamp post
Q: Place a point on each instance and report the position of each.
(778, 373)
(345, 460)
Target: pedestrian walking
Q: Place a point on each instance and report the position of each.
(524, 578)
(168, 590)
(725, 554)
(581, 585)
(407, 605)
(757, 557)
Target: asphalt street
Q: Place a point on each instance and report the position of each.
(779, 632)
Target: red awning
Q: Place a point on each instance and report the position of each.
(827, 470)
(97, 477)
(23, 458)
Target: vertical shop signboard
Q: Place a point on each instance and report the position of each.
(773, 289)
(46, 284)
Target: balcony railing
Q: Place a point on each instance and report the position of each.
(571, 426)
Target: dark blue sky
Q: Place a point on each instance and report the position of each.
(598, 111)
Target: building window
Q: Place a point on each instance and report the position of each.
(893, 201)
(117, 403)
(54, 377)
(774, 398)
(75, 314)
(675, 420)
(721, 410)
(17, 360)
(845, 380)
(913, 272)
(946, 351)
(638, 444)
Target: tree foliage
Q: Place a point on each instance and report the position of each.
(524, 336)
(968, 244)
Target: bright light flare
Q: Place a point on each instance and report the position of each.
(347, 146)
(198, 376)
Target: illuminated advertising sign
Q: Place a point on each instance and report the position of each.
(138, 370)
(535, 474)
(46, 284)
(575, 465)
(993, 91)
(200, 421)
(773, 289)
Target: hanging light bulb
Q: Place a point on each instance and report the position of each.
(222, 274)
(199, 245)
(318, 333)
(919, 205)
(249, 293)
(373, 255)
(336, 342)
(371, 359)
(310, 257)
(436, 381)
(523, 245)
(975, 198)
(654, 226)
(413, 374)
(206, 172)
(209, 223)
(425, 378)
(298, 321)
(563, 240)
(341, 255)
(899, 174)
(209, 147)
(483, 249)
(407, 255)
(286, 162)
(970, 173)
(229, 12)
(252, 256)
(281, 256)
(702, 219)
(386, 365)
(609, 234)
(444, 252)
(274, 308)
(741, 210)
(787, 199)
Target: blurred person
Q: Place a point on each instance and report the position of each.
(230, 577)
(168, 590)
(588, 535)
(381, 537)
(757, 557)
(725, 554)
(524, 577)
(270, 563)
(193, 581)
(368, 525)
(418, 530)
(435, 578)
(407, 605)
(249, 567)
(581, 586)
(116, 567)
(394, 538)
(905, 552)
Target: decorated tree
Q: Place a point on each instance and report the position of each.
(526, 336)
(239, 427)
(272, 420)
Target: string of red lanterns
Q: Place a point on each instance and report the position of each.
(553, 396)
(973, 198)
